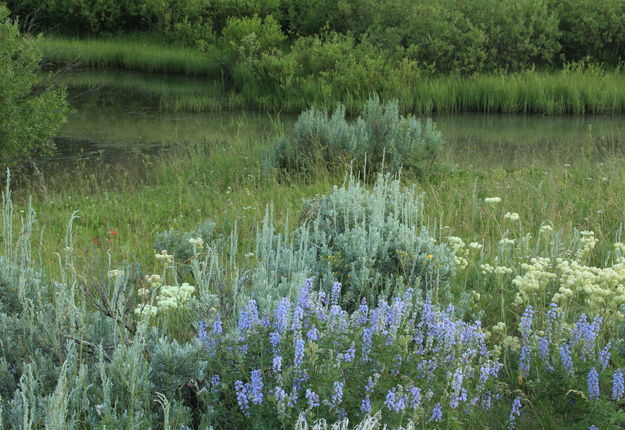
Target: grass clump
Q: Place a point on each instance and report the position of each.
(380, 139)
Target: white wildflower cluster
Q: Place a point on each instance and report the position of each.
(600, 289)
(116, 274)
(153, 281)
(533, 281)
(459, 248)
(492, 200)
(487, 269)
(164, 257)
(588, 241)
(197, 243)
(512, 216)
(172, 296)
(476, 246)
(506, 242)
(545, 229)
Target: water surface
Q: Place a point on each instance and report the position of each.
(120, 113)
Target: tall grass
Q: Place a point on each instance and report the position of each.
(581, 89)
(128, 53)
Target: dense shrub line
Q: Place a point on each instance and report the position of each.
(445, 36)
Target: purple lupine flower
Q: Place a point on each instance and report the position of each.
(274, 339)
(543, 352)
(363, 311)
(248, 317)
(565, 358)
(618, 385)
(524, 360)
(265, 322)
(281, 315)
(415, 397)
(585, 334)
(526, 323)
(279, 394)
(593, 384)
(215, 380)
(217, 327)
(370, 385)
(458, 392)
(337, 396)
(336, 292)
(604, 356)
(593, 427)
(365, 406)
(304, 295)
(395, 401)
(256, 387)
(367, 340)
(515, 412)
(487, 400)
(277, 364)
(299, 352)
(183, 427)
(298, 315)
(349, 355)
(313, 334)
(312, 397)
(242, 396)
(203, 336)
(394, 314)
(437, 413)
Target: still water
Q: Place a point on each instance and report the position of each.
(117, 114)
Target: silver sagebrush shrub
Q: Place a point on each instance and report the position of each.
(379, 139)
(373, 242)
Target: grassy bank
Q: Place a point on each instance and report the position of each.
(120, 215)
(577, 90)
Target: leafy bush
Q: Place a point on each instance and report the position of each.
(29, 114)
(379, 139)
(373, 242)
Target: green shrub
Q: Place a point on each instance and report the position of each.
(379, 139)
(29, 114)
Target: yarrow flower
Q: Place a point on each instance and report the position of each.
(512, 216)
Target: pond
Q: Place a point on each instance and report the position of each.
(117, 114)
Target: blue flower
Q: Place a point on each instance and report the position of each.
(526, 323)
(337, 396)
(256, 387)
(618, 385)
(604, 356)
(514, 413)
(593, 384)
(299, 353)
(277, 364)
(365, 406)
(565, 358)
(336, 292)
(524, 360)
(312, 397)
(313, 334)
(395, 401)
(281, 315)
(242, 396)
(437, 413)
(415, 397)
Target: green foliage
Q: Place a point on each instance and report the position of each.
(590, 29)
(29, 114)
(379, 139)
